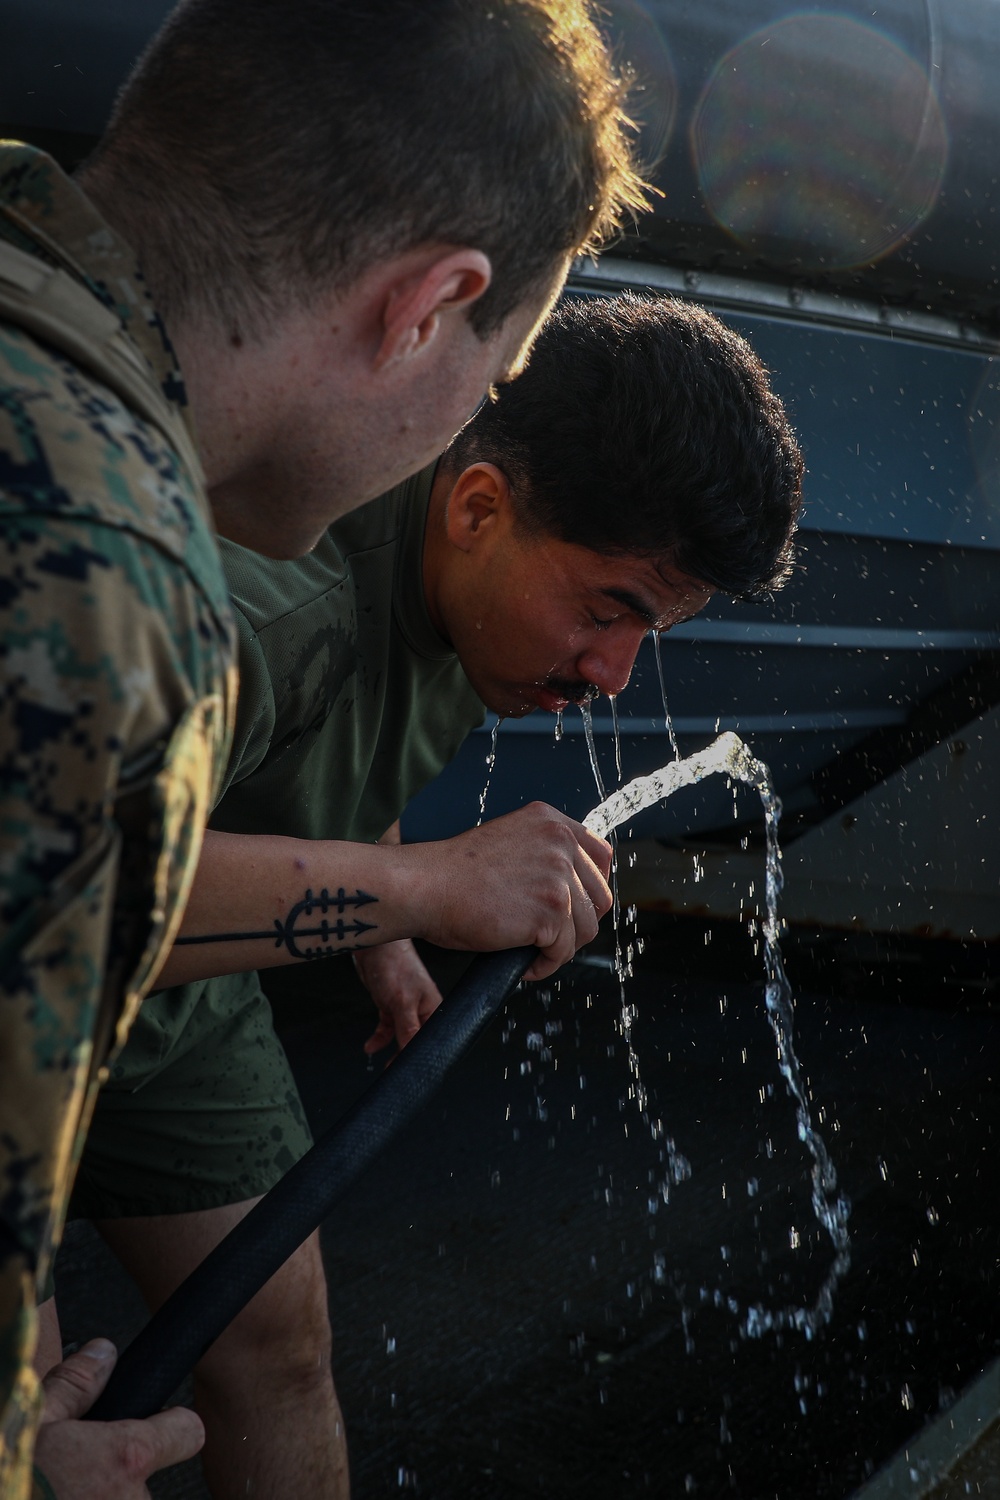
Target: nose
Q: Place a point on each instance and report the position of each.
(608, 662)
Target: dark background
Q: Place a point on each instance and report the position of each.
(509, 1318)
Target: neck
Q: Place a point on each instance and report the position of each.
(271, 411)
(438, 552)
(273, 433)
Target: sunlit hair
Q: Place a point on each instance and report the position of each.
(645, 426)
(264, 148)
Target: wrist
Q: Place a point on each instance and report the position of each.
(410, 895)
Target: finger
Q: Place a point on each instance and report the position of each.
(542, 968)
(406, 1031)
(597, 849)
(557, 946)
(429, 1002)
(381, 1037)
(408, 1019)
(594, 875)
(594, 883)
(586, 920)
(412, 1017)
(155, 1443)
(580, 922)
(72, 1387)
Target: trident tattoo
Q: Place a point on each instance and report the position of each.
(288, 934)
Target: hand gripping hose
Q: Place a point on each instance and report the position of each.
(190, 1320)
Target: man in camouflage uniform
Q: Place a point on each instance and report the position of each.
(346, 260)
(118, 691)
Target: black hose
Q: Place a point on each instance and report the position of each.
(203, 1306)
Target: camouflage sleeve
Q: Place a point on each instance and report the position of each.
(112, 726)
(106, 743)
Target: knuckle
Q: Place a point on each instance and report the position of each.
(554, 900)
(66, 1388)
(134, 1452)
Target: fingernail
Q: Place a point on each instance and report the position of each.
(100, 1349)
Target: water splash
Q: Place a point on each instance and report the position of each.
(729, 756)
(668, 721)
(491, 761)
(617, 737)
(587, 716)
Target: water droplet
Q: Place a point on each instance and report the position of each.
(730, 756)
(491, 761)
(663, 695)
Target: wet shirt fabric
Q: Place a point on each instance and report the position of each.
(350, 702)
(118, 690)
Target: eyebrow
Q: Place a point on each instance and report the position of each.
(632, 602)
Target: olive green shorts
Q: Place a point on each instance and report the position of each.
(200, 1109)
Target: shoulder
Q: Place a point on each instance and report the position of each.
(72, 451)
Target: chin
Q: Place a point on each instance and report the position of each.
(508, 708)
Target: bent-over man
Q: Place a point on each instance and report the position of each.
(638, 465)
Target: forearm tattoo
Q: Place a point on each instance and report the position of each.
(289, 934)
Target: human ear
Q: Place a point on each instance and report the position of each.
(478, 506)
(417, 299)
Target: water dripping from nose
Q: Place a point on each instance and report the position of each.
(587, 716)
(663, 695)
(613, 700)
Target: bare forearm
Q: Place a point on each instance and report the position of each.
(532, 878)
(260, 901)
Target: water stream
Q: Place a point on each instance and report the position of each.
(729, 756)
(491, 761)
(588, 729)
(613, 700)
(663, 694)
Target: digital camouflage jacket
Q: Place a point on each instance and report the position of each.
(116, 697)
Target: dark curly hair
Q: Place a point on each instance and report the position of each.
(643, 425)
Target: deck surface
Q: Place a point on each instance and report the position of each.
(511, 1320)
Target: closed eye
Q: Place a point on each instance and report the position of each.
(600, 624)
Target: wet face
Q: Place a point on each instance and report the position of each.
(540, 623)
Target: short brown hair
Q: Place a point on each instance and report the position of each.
(261, 149)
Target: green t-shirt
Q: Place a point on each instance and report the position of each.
(350, 702)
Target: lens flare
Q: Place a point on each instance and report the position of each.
(819, 137)
(637, 40)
